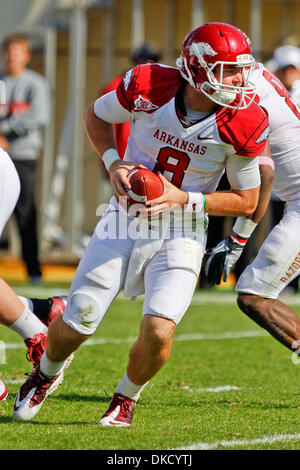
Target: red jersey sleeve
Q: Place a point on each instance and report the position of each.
(147, 87)
(247, 129)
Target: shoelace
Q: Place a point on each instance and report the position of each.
(33, 352)
(30, 382)
(41, 382)
(35, 348)
(126, 406)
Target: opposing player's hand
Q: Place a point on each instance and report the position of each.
(171, 198)
(118, 172)
(221, 259)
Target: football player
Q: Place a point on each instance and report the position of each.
(188, 124)
(278, 260)
(30, 319)
(14, 312)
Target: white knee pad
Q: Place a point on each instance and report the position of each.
(84, 312)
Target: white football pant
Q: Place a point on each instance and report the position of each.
(278, 260)
(9, 188)
(169, 277)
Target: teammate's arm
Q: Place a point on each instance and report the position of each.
(222, 258)
(266, 169)
(256, 212)
(233, 203)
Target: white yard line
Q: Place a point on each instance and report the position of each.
(241, 442)
(187, 337)
(218, 336)
(42, 292)
(199, 298)
(230, 297)
(221, 388)
(14, 381)
(215, 297)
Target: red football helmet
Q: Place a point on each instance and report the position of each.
(215, 44)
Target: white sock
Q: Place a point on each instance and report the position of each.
(28, 325)
(27, 302)
(50, 368)
(129, 389)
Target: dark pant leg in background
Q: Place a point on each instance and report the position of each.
(26, 216)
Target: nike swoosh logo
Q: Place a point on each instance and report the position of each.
(114, 414)
(29, 395)
(17, 403)
(204, 138)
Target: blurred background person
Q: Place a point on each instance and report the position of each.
(26, 111)
(285, 64)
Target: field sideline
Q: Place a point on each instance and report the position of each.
(227, 385)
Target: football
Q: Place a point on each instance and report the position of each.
(145, 185)
(3, 391)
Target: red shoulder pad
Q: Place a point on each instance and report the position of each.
(110, 86)
(247, 129)
(147, 87)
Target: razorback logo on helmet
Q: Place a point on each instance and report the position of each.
(142, 104)
(264, 135)
(199, 49)
(127, 79)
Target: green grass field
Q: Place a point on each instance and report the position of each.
(256, 406)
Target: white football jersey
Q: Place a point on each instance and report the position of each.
(295, 92)
(9, 188)
(192, 157)
(284, 118)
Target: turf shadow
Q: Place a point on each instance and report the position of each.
(86, 398)
(7, 419)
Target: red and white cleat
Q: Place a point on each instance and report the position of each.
(36, 347)
(120, 411)
(33, 393)
(3, 391)
(58, 307)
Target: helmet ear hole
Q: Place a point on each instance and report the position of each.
(194, 69)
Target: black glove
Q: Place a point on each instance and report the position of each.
(220, 259)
